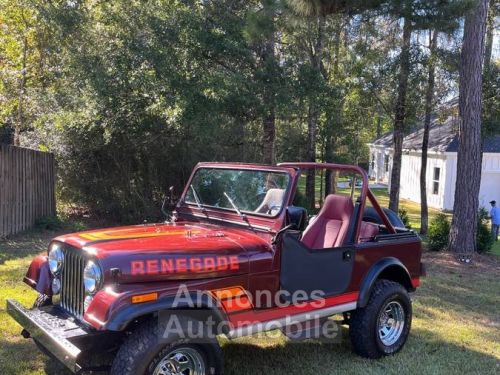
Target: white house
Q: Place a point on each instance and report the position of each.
(441, 165)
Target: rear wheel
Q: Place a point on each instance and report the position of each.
(382, 326)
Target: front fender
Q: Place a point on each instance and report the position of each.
(114, 312)
(38, 275)
(390, 268)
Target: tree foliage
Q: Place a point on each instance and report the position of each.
(130, 95)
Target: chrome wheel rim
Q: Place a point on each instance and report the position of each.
(391, 323)
(182, 361)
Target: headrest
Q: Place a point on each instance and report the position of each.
(298, 216)
(337, 207)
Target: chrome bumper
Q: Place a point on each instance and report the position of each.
(51, 328)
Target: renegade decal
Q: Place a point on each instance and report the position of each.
(182, 265)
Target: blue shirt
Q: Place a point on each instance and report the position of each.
(495, 215)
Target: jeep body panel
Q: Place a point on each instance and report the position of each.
(208, 249)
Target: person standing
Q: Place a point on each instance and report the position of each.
(495, 220)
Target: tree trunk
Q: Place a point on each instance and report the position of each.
(312, 127)
(268, 60)
(312, 118)
(329, 146)
(429, 99)
(465, 208)
(268, 141)
(400, 115)
(334, 116)
(379, 123)
(490, 28)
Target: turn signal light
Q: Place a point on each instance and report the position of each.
(145, 298)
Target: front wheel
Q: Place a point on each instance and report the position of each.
(382, 326)
(146, 353)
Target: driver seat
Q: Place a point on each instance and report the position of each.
(331, 225)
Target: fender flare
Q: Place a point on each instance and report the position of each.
(120, 319)
(376, 270)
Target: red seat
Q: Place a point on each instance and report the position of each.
(331, 225)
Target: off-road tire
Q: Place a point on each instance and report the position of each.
(364, 322)
(143, 350)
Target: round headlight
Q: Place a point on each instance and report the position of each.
(56, 259)
(56, 285)
(92, 277)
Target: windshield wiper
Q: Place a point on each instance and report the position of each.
(195, 195)
(198, 202)
(243, 216)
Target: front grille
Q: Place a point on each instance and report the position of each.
(72, 288)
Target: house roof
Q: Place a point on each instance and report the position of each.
(443, 137)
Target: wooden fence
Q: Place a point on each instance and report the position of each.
(27, 188)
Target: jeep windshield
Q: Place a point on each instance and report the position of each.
(244, 191)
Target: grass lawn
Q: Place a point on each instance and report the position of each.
(456, 326)
(496, 248)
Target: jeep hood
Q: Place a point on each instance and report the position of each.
(154, 252)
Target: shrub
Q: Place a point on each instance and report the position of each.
(403, 214)
(484, 240)
(439, 230)
(48, 223)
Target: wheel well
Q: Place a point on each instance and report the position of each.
(397, 274)
(387, 269)
(199, 314)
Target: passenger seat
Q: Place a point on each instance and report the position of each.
(330, 227)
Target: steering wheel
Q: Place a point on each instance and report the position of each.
(272, 208)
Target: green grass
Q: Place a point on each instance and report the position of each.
(456, 326)
(17, 355)
(496, 248)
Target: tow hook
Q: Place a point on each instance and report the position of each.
(25, 334)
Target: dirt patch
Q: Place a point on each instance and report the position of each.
(447, 262)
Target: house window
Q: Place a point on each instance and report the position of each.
(435, 180)
(373, 162)
(386, 163)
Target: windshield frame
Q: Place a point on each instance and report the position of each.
(238, 167)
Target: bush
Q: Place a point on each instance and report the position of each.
(403, 215)
(439, 231)
(48, 223)
(484, 240)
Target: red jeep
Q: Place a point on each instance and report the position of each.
(239, 255)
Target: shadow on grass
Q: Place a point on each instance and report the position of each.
(423, 353)
(25, 244)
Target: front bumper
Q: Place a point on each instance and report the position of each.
(52, 328)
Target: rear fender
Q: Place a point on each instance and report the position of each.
(389, 269)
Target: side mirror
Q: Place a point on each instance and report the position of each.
(296, 219)
(296, 216)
